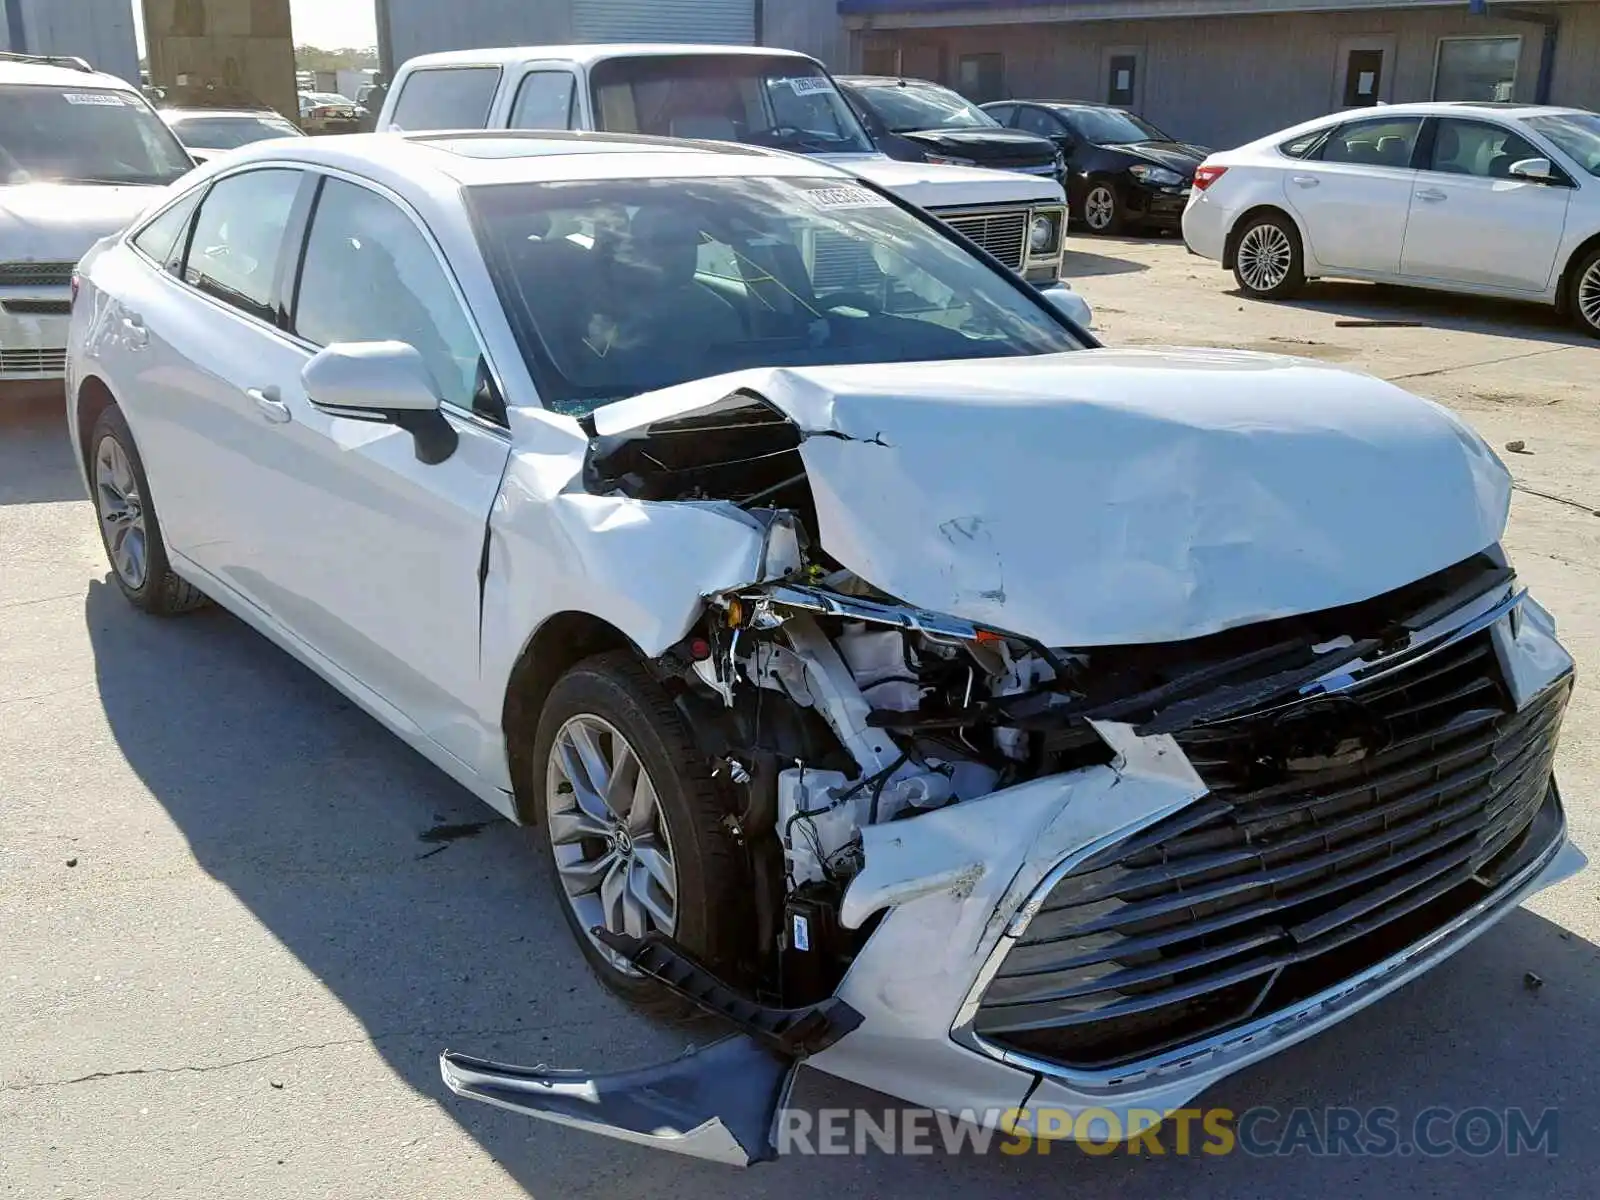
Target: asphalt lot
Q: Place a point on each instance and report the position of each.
(234, 938)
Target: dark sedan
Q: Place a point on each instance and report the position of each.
(917, 121)
(1122, 172)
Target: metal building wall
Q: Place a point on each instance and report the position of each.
(427, 26)
(730, 22)
(810, 26)
(98, 30)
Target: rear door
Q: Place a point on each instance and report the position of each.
(1353, 196)
(375, 558)
(445, 98)
(1471, 222)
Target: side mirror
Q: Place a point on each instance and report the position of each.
(384, 382)
(1539, 170)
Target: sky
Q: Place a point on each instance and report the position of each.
(330, 24)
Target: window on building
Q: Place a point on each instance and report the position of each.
(981, 77)
(544, 101)
(1363, 76)
(1477, 68)
(1122, 80)
(371, 276)
(1477, 148)
(238, 237)
(446, 98)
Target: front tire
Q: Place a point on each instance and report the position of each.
(634, 828)
(1102, 209)
(1583, 293)
(1268, 262)
(129, 529)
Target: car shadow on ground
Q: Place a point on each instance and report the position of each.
(1368, 302)
(1082, 264)
(355, 854)
(36, 464)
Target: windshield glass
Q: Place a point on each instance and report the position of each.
(787, 103)
(1577, 134)
(48, 135)
(911, 106)
(1112, 127)
(226, 133)
(624, 286)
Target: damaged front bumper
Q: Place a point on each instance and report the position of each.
(1122, 936)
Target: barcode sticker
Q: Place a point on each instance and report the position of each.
(802, 933)
(104, 99)
(806, 85)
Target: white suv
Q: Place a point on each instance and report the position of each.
(759, 96)
(81, 154)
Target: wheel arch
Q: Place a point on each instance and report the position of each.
(1236, 230)
(564, 640)
(1564, 284)
(93, 398)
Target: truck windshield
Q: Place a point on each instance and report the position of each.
(92, 135)
(786, 103)
(907, 107)
(616, 287)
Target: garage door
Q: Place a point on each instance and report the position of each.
(724, 21)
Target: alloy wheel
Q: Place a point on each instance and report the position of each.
(1099, 208)
(1265, 256)
(121, 510)
(1589, 295)
(611, 847)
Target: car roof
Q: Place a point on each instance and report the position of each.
(1444, 108)
(586, 55)
(888, 81)
(475, 158)
(200, 114)
(43, 74)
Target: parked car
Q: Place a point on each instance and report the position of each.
(329, 112)
(917, 121)
(81, 154)
(209, 131)
(752, 95)
(1121, 171)
(971, 712)
(1486, 198)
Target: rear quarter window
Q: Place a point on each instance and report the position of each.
(446, 98)
(1302, 146)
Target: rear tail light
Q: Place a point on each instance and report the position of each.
(1206, 174)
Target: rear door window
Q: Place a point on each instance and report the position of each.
(544, 101)
(446, 98)
(1374, 143)
(238, 239)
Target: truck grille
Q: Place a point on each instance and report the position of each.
(1002, 232)
(33, 362)
(36, 274)
(1295, 872)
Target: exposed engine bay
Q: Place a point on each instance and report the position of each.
(829, 707)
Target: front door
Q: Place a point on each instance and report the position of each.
(1471, 222)
(1353, 197)
(375, 558)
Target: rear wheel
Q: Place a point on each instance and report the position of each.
(1583, 298)
(128, 525)
(634, 827)
(1267, 260)
(1102, 210)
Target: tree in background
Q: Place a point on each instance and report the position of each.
(314, 58)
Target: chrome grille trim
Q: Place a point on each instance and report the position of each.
(1002, 230)
(36, 274)
(32, 362)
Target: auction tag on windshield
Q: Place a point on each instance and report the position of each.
(805, 85)
(107, 99)
(846, 196)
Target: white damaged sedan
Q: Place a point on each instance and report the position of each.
(1002, 722)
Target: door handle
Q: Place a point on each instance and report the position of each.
(1432, 195)
(133, 328)
(270, 404)
(1305, 180)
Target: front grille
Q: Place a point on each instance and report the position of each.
(1309, 861)
(36, 274)
(33, 362)
(38, 308)
(1002, 232)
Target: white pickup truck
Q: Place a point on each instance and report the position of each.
(778, 99)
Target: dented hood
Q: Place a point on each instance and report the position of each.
(1121, 496)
